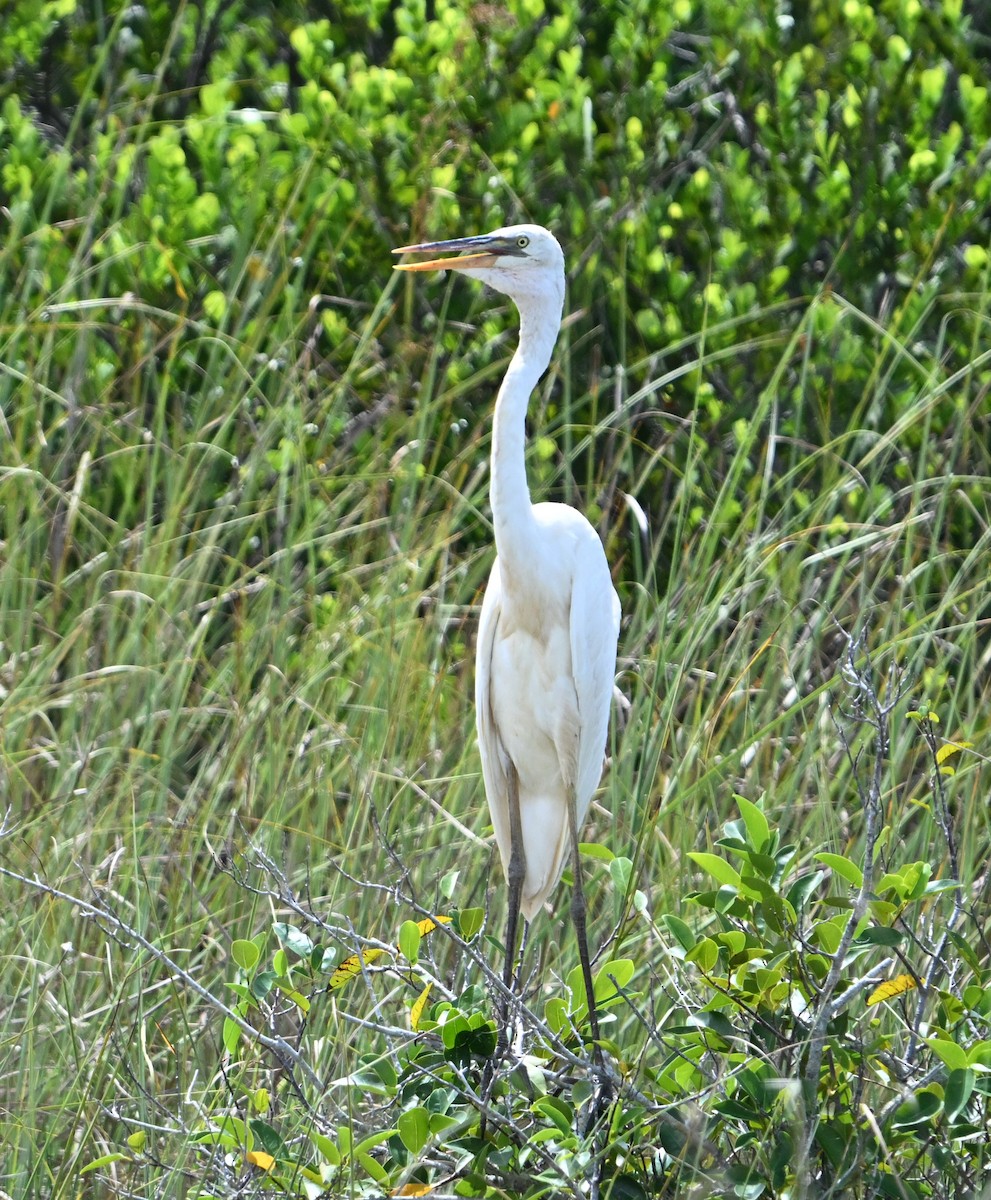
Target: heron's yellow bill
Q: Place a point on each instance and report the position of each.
(464, 263)
(474, 251)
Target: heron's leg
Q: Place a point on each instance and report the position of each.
(514, 875)
(578, 917)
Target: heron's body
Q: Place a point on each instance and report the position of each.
(542, 664)
(550, 618)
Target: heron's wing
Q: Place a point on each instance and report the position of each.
(595, 615)
(490, 748)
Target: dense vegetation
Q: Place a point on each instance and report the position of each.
(243, 533)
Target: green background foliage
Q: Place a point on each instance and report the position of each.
(243, 533)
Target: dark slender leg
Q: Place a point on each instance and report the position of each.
(515, 875)
(578, 917)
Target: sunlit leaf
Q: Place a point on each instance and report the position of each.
(261, 1160)
(231, 1035)
(758, 829)
(717, 867)
(948, 749)
(891, 988)
(409, 941)
(621, 970)
(596, 850)
(416, 1012)
(104, 1161)
(429, 924)
(351, 967)
(558, 1111)
(373, 1168)
(705, 953)
(950, 1053)
(301, 1001)
(245, 954)
(843, 867)
(326, 1148)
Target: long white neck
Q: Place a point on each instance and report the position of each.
(512, 512)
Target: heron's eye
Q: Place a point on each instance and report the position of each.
(523, 241)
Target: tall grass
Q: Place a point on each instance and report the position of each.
(238, 611)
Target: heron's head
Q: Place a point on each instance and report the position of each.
(523, 262)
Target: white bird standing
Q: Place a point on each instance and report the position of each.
(547, 638)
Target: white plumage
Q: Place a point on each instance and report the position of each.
(546, 652)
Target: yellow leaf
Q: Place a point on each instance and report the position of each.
(416, 1012)
(261, 1160)
(891, 988)
(345, 971)
(351, 967)
(414, 1189)
(428, 926)
(948, 749)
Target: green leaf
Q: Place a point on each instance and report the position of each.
(215, 306)
(966, 952)
(231, 1035)
(621, 970)
(575, 983)
(245, 954)
(620, 871)
(558, 1112)
(595, 850)
(717, 867)
(705, 954)
(326, 1149)
(470, 921)
(956, 1095)
(919, 1109)
(880, 935)
(763, 864)
(262, 984)
(679, 931)
(375, 1139)
(802, 889)
(556, 1015)
(735, 941)
(827, 934)
(373, 1168)
(266, 1136)
(104, 1161)
(843, 867)
(758, 829)
(409, 941)
(294, 939)
(714, 1022)
(950, 1053)
(414, 1128)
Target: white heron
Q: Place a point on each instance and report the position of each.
(546, 655)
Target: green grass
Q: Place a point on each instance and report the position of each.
(238, 619)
